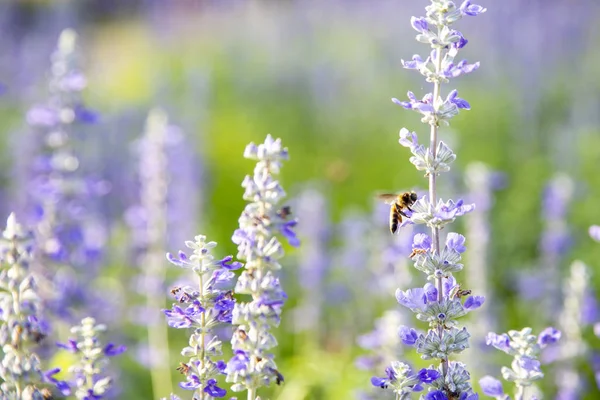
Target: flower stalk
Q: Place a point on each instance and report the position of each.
(201, 309)
(442, 302)
(89, 378)
(262, 220)
(21, 326)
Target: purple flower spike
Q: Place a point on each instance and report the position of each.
(491, 386)
(440, 302)
(472, 10)
(263, 225)
(201, 308)
(91, 363)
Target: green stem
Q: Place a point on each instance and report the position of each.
(158, 335)
(520, 392)
(203, 333)
(435, 231)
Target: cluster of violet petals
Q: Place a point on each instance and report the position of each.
(201, 308)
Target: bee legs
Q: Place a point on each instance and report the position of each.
(403, 214)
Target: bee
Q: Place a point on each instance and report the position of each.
(284, 212)
(46, 394)
(398, 203)
(416, 252)
(183, 368)
(278, 377)
(457, 292)
(242, 334)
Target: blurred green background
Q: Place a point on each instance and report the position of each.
(320, 75)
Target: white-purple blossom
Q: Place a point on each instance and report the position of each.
(22, 327)
(89, 379)
(61, 198)
(200, 307)
(261, 223)
(525, 369)
(442, 302)
(149, 221)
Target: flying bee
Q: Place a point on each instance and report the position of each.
(416, 252)
(183, 368)
(398, 203)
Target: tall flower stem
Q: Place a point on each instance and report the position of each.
(202, 309)
(21, 323)
(435, 231)
(440, 303)
(520, 393)
(261, 222)
(154, 178)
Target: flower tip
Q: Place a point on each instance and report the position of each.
(594, 232)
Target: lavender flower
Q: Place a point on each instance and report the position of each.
(443, 302)
(60, 196)
(555, 239)
(201, 308)
(149, 220)
(572, 320)
(525, 367)
(262, 219)
(89, 380)
(21, 326)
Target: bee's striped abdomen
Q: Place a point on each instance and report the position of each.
(395, 218)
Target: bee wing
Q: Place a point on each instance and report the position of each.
(387, 198)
